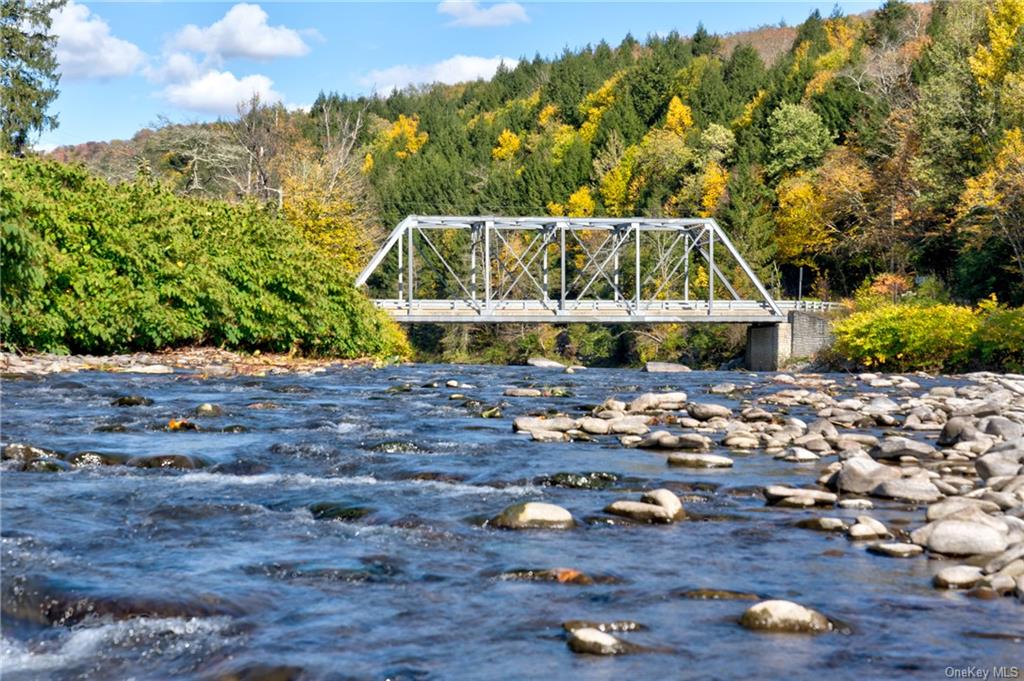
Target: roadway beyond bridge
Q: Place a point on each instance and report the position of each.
(450, 269)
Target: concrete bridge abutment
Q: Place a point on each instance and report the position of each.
(770, 346)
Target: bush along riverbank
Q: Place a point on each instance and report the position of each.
(933, 336)
(91, 267)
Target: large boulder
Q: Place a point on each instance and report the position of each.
(590, 641)
(861, 474)
(703, 411)
(665, 368)
(957, 429)
(785, 617)
(917, 490)
(896, 447)
(960, 538)
(999, 463)
(534, 515)
(544, 363)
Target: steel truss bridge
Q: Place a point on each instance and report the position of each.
(559, 270)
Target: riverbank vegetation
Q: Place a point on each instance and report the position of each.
(834, 152)
(94, 267)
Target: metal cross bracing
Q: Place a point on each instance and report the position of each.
(553, 269)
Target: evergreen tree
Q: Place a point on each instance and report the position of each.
(28, 71)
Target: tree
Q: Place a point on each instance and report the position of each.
(992, 205)
(798, 139)
(28, 71)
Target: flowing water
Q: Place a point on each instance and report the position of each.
(115, 571)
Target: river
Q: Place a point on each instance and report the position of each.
(224, 571)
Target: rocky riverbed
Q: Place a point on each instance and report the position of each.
(458, 522)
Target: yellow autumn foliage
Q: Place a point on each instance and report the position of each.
(988, 63)
(715, 179)
(594, 105)
(747, 117)
(404, 136)
(802, 229)
(508, 144)
(581, 203)
(680, 118)
(546, 115)
(367, 163)
(617, 189)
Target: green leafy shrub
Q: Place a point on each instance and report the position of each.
(902, 337)
(1000, 336)
(100, 268)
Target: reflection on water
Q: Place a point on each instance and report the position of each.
(335, 530)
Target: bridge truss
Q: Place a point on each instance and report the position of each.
(553, 269)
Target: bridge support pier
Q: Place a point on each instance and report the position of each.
(770, 346)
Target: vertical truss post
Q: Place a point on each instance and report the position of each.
(636, 265)
(686, 267)
(474, 245)
(411, 271)
(616, 291)
(711, 273)
(561, 229)
(487, 263)
(544, 261)
(401, 274)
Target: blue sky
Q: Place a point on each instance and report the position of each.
(124, 64)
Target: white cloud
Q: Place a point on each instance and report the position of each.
(177, 67)
(86, 49)
(470, 13)
(456, 69)
(220, 92)
(243, 32)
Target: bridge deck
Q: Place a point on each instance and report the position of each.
(589, 311)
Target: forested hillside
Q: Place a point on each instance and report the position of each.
(851, 146)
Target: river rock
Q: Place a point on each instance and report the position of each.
(907, 489)
(957, 429)
(786, 617)
(522, 392)
(723, 389)
(1001, 427)
(896, 549)
(999, 463)
(960, 538)
(132, 401)
(797, 455)
(1012, 554)
(665, 368)
(549, 436)
(166, 461)
(207, 409)
(896, 447)
(25, 453)
(867, 527)
(957, 577)
(594, 426)
(700, 461)
(862, 474)
(589, 641)
(703, 411)
(667, 500)
(558, 423)
(754, 414)
(534, 515)
(639, 511)
(544, 363)
(794, 496)
(958, 505)
(629, 425)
